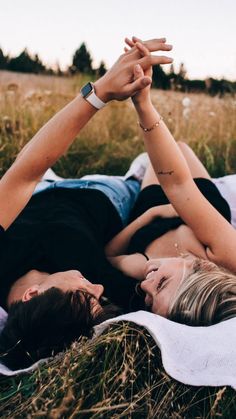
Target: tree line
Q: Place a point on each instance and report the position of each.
(82, 62)
(29, 63)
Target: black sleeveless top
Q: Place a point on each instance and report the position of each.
(154, 195)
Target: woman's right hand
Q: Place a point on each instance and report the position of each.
(119, 83)
(143, 95)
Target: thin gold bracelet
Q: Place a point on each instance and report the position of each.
(152, 127)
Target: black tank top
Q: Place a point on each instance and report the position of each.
(154, 195)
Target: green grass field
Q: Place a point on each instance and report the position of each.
(120, 374)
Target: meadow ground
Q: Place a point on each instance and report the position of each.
(112, 138)
(120, 374)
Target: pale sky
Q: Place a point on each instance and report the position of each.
(203, 32)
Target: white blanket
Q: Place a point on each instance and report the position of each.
(198, 356)
(227, 188)
(192, 355)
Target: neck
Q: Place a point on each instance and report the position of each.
(23, 283)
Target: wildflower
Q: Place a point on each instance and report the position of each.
(186, 113)
(186, 102)
(30, 94)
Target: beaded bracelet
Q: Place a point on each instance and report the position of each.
(152, 127)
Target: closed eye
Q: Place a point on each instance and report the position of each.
(162, 283)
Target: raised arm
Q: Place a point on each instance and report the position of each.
(173, 173)
(52, 141)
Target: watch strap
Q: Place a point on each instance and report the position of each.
(94, 100)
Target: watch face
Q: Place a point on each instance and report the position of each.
(86, 89)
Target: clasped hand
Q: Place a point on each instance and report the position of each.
(122, 80)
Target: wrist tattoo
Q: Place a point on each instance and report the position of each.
(170, 172)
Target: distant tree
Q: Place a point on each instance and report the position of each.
(37, 64)
(58, 70)
(172, 77)
(181, 78)
(219, 87)
(82, 61)
(160, 78)
(182, 71)
(26, 64)
(101, 69)
(3, 60)
(195, 86)
(171, 70)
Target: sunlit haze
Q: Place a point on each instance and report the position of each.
(203, 32)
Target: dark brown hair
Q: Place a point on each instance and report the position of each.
(46, 325)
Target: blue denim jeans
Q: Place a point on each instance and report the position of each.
(122, 193)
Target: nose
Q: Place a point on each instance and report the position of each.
(97, 290)
(146, 285)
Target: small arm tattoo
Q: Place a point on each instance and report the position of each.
(170, 172)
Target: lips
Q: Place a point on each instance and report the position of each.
(149, 275)
(152, 265)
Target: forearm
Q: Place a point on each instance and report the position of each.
(120, 242)
(167, 160)
(131, 265)
(53, 139)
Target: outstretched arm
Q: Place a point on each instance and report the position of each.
(173, 173)
(52, 141)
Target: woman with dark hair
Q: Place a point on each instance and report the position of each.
(57, 240)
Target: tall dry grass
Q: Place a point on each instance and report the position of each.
(112, 139)
(119, 375)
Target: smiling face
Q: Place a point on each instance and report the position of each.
(162, 279)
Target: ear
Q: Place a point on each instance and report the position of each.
(30, 293)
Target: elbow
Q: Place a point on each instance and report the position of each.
(109, 252)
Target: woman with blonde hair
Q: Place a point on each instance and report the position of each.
(189, 276)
